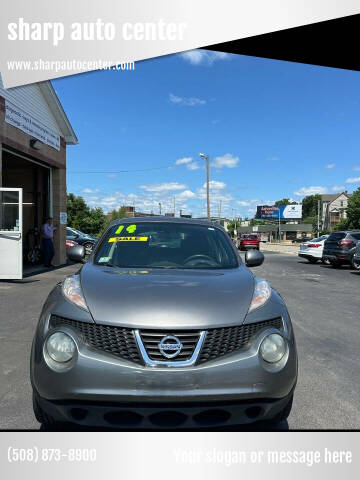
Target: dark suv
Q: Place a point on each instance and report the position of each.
(340, 248)
(81, 238)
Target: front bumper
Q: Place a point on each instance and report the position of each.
(154, 415)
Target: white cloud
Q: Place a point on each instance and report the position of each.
(357, 167)
(90, 190)
(304, 191)
(203, 57)
(163, 187)
(215, 185)
(186, 194)
(228, 160)
(338, 188)
(330, 166)
(353, 180)
(243, 203)
(193, 166)
(186, 101)
(189, 162)
(183, 161)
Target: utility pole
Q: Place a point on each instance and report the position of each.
(220, 212)
(203, 155)
(279, 226)
(160, 207)
(174, 206)
(318, 218)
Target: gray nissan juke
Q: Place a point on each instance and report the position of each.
(164, 327)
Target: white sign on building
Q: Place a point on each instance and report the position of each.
(18, 118)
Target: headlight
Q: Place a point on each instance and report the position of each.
(60, 347)
(261, 294)
(72, 291)
(273, 348)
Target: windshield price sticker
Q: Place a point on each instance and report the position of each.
(130, 229)
(128, 239)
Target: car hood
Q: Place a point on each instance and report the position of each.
(153, 298)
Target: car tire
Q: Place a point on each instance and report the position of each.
(88, 248)
(325, 261)
(41, 416)
(312, 260)
(355, 265)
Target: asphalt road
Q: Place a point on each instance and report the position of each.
(324, 305)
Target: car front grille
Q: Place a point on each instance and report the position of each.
(118, 341)
(152, 338)
(121, 341)
(221, 341)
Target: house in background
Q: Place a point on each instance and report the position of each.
(333, 209)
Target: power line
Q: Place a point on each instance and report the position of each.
(120, 171)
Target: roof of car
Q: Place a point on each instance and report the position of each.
(346, 231)
(155, 219)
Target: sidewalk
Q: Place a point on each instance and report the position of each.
(279, 248)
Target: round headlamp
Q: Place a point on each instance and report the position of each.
(273, 348)
(60, 347)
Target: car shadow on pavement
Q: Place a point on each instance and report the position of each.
(21, 282)
(255, 427)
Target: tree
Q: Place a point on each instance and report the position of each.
(77, 209)
(313, 222)
(95, 223)
(82, 217)
(353, 210)
(285, 201)
(310, 205)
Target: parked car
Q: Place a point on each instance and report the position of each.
(248, 240)
(312, 250)
(356, 259)
(81, 238)
(299, 240)
(70, 243)
(163, 327)
(340, 248)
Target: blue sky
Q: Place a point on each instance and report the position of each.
(272, 129)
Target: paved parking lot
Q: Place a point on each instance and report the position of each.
(324, 305)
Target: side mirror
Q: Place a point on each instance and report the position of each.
(76, 253)
(253, 258)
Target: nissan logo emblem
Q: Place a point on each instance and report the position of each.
(170, 346)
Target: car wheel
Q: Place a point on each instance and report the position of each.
(41, 416)
(355, 264)
(325, 261)
(312, 260)
(88, 248)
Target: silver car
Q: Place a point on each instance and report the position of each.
(164, 327)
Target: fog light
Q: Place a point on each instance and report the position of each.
(60, 347)
(273, 348)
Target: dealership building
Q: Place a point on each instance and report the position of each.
(34, 134)
(283, 223)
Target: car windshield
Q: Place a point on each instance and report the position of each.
(166, 245)
(250, 237)
(319, 239)
(82, 234)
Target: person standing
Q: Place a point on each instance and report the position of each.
(47, 231)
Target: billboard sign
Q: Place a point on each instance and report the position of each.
(271, 212)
